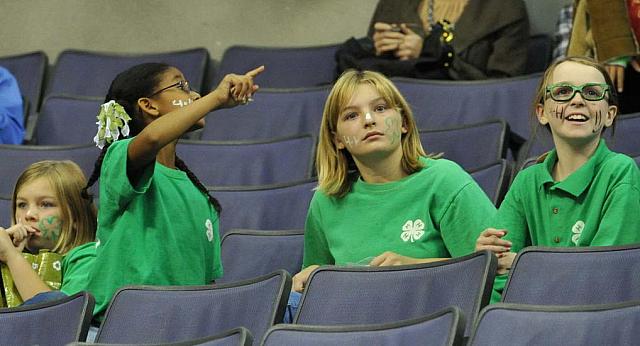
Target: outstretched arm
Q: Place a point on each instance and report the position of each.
(231, 91)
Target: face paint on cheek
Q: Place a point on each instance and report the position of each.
(598, 122)
(350, 141)
(559, 112)
(50, 228)
(182, 103)
(391, 129)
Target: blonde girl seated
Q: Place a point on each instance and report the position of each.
(580, 193)
(49, 213)
(381, 199)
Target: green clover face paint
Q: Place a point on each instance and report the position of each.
(50, 228)
(392, 129)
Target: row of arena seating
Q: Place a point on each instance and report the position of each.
(79, 80)
(549, 299)
(276, 177)
(292, 67)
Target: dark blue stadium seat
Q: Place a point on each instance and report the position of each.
(441, 328)
(156, 314)
(524, 324)
(85, 73)
(574, 276)
(274, 113)
(239, 336)
(289, 67)
(471, 146)
(238, 163)
(57, 322)
(5, 211)
(67, 120)
(280, 206)
(494, 179)
(15, 158)
(441, 104)
(250, 253)
(367, 295)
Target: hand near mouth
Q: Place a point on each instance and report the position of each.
(20, 235)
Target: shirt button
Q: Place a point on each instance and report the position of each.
(555, 210)
(556, 239)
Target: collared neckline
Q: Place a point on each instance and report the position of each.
(577, 182)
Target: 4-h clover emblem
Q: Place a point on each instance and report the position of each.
(209, 225)
(577, 231)
(412, 230)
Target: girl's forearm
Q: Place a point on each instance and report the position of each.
(25, 278)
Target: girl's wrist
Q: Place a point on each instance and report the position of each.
(217, 99)
(13, 255)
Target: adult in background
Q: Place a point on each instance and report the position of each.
(11, 112)
(443, 39)
(607, 31)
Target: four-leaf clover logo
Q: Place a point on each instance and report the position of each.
(412, 230)
(577, 231)
(209, 225)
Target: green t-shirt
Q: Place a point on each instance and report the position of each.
(163, 231)
(597, 205)
(436, 212)
(76, 266)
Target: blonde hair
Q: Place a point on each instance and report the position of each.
(78, 214)
(333, 164)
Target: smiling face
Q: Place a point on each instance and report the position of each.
(367, 126)
(38, 206)
(576, 120)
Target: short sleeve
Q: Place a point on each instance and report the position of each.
(464, 219)
(511, 216)
(114, 182)
(316, 249)
(76, 266)
(620, 218)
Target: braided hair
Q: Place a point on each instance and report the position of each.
(129, 86)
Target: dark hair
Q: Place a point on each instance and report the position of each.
(126, 89)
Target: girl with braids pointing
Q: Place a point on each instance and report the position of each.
(157, 224)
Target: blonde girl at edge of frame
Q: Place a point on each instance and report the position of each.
(580, 193)
(49, 213)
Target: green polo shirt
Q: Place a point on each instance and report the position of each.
(597, 205)
(436, 212)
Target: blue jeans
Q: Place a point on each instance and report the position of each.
(44, 297)
(292, 307)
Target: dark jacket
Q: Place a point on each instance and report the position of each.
(490, 38)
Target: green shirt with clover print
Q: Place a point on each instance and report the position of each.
(438, 211)
(597, 205)
(162, 231)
